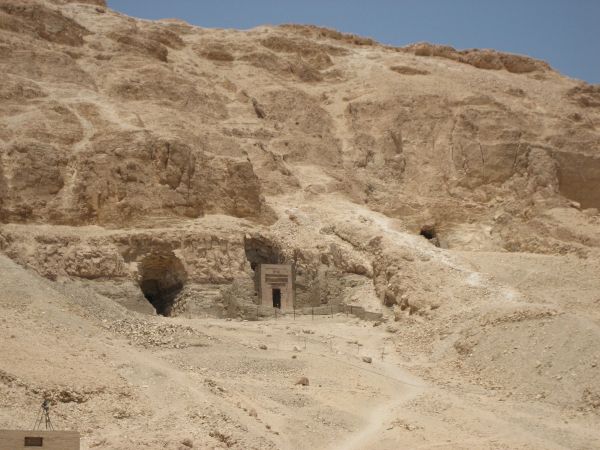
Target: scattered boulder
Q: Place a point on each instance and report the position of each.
(258, 109)
(389, 299)
(367, 359)
(574, 204)
(303, 381)
(188, 443)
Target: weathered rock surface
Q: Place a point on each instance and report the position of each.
(452, 193)
(110, 121)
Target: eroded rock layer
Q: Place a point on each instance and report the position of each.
(453, 194)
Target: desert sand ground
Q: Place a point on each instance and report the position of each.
(138, 381)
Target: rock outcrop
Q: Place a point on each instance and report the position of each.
(218, 150)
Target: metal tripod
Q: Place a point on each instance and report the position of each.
(44, 417)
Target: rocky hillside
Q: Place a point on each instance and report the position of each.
(252, 138)
(111, 121)
(432, 185)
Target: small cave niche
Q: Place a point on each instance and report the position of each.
(430, 233)
(259, 250)
(162, 277)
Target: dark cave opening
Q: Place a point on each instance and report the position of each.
(162, 277)
(260, 250)
(430, 233)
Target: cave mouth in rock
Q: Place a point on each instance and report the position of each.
(162, 277)
(428, 232)
(260, 250)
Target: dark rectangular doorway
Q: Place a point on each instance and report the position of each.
(277, 298)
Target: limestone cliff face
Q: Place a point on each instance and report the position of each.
(303, 132)
(106, 119)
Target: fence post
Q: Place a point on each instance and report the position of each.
(331, 311)
(312, 312)
(257, 312)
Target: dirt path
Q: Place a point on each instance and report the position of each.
(403, 387)
(379, 418)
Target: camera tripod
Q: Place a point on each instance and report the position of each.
(44, 417)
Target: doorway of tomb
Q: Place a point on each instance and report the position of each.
(277, 298)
